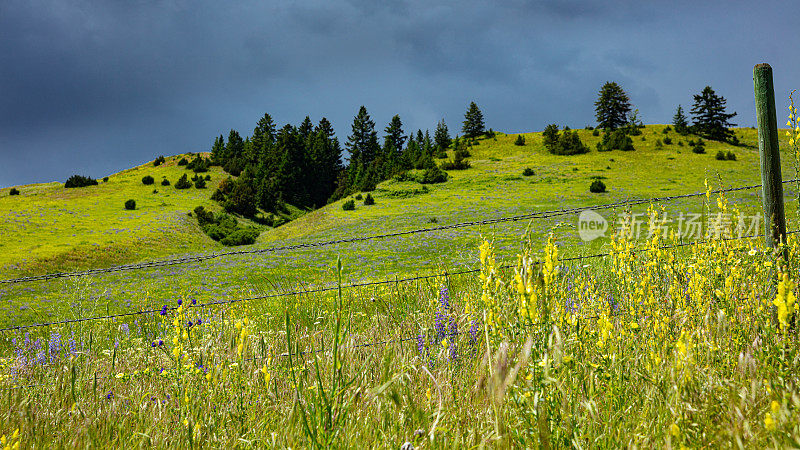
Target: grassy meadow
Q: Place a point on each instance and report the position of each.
(647, 347)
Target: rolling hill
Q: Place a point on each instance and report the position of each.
(49, 228)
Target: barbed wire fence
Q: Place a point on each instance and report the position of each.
(533, 215)
(199, 258)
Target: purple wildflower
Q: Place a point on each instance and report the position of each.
(164, 310)
(444, 298)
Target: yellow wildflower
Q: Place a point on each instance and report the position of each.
(769, 422)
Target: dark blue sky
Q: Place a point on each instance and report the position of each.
(97, 86)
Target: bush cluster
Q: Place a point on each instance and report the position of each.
(527, 172)
(459, 161)
(105, 179)
(199, 182)
(77, 181)
(199, 164)
(147, 180)
(13, 191)
(433, 175)
(349, 205)
(224, 228)
(130, 204)
(597, 186)
(615, 140)
(183, 182)
(160, 160)
(726, 156)
(520, 140)
(368, 200)
(183, 162)
(668, 140)
(565, 143)
(165, 182)
(698, 147)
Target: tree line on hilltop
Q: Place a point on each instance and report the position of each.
(302, 165)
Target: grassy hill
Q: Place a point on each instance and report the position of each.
(685, 347)
(49, 228)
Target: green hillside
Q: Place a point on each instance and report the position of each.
(49, 228)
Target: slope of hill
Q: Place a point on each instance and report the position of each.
(51, 228)
(48, 227)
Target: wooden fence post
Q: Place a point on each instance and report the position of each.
(771, 181)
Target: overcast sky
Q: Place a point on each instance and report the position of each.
(97, 86)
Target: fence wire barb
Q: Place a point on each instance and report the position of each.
(534, 215)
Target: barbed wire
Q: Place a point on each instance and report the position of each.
(354, 285)
(534, 215)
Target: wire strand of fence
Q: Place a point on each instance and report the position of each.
(533, 215)
(165, 308)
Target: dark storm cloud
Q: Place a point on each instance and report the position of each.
(95, 86)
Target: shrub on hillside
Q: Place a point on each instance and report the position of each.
(667, 140)
(13, 191)
(359, 197)
(77, 181)
(589, 127)
(130, 204)
(597, 186)
(183, 182)
(165, 182)
(459, 161)
(596, 132)
(405, 176)
(160, 160)
(183, 162)
(432, 175)
(720, 155)
(698, 147)
(349, 205)
(731, 156)
(520, 140)
(147, 180)
(441, 154)
(565, 143)
(658, 144)
(105, 179)
(615, 140)
(203, 217)
(527, 172)
(199, 164)
(200, 183)
(241, 236)
(368, 200)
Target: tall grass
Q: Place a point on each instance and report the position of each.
(644, 348)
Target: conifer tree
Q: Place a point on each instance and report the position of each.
(612, 106)
(363, 142)
(363, 146)
(709, 118)
(218, 150)
(441, 136)
(305, 128)
(679, 121)
(394, 138)
(473, 125)
(235, 147)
